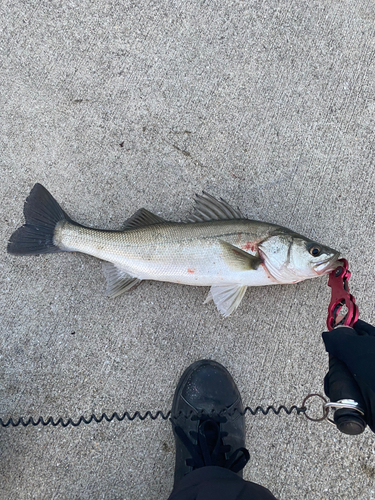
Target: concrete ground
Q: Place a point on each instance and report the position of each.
(119, 105)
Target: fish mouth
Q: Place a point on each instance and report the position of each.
(327, 265)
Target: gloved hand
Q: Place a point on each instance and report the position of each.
(355, 347)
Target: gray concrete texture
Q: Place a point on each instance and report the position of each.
(119, 105)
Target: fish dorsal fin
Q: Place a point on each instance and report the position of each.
(227, 297)
(209, 208)
(118, 280)
(239, 260)
(143, 217)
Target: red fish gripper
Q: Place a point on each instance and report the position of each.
(340, 297)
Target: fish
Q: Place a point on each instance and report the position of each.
(217, 247)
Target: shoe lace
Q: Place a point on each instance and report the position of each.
(210, 448)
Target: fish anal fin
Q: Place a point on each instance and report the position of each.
(118, 280)
(141, 218)
(227, 297)
(239, 259)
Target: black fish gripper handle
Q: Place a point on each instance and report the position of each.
(342, 387)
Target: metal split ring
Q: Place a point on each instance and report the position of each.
(325, 409)
(343, 403)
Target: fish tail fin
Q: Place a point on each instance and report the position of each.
(36, 236)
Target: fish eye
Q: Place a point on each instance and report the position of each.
(315, 250)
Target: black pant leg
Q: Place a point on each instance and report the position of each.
(217, 483)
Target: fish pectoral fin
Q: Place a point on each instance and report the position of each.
(209, 208)
(226, 297)
(118, 280)
(141, 218)
(238, 259)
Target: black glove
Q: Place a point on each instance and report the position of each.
(355, 348)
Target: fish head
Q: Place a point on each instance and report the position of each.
(290, 257)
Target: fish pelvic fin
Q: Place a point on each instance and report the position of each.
(118, 280)
(141, 218)
(42, 214)
(227, 297)
(238, 259)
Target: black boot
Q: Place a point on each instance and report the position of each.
(207, 420)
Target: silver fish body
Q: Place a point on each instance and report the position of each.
(186, 253)
(218, 248)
